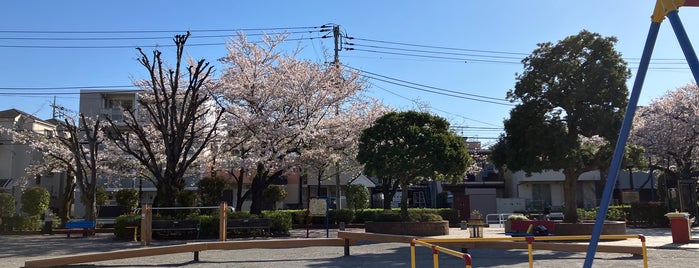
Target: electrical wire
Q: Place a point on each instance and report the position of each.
(138, 46)
(159, 31)
(434, 52)
(439, 47)
(142, 37)
(421, 85)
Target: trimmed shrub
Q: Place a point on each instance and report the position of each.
(345, 215)
(7, 205)
(449, 214)
(120, 231)
(35, 200)
(127, 198)
(208, 226)
(357, 196)
(241, 215)
(423, 215)
(22, 223)
(273, 194)
(279, 221)
(365, 215)
(101, 196)
(388, 216)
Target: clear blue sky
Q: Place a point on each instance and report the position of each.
(511, 29)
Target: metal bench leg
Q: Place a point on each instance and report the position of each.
(196, 256)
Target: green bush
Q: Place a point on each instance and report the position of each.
(22, 223)
(388, 216)
(127, 198)
(241, 215)
(298, 216)
(279, 221)
(273, 194)
(345, 215)
(208, 226)
(423, 215)
(35, 200)
(7, 205)
(365, 215)
(101, 196)
(120, 231)
(357, 196)
(449, 214)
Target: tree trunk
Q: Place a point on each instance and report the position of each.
(68, 197)
(388, 188)
(404, 200)
(570, 209)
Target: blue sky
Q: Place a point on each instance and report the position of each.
(510, 30)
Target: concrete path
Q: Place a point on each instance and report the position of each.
(15, 249)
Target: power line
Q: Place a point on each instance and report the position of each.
(137, 46)
(439, 47)
(434, 52)
(416, 84)
(64, 87)
(158, 31)
(140, 37)
(436, 109)
(465, 60)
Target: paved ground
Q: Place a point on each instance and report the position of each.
(15, 249)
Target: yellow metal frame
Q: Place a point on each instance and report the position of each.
(435, 256)
(662, 7)
(529, 239)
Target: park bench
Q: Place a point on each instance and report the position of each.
(86, 228)
(243, 227)
(175, 228)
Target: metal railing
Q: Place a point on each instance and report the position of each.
(530, 240)
(435, 253)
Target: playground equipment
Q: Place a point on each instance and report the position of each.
(435, 253)
(515, 242)
(663, 8)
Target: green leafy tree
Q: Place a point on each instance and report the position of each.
(273, 194)
(187, 198)
(357, 196)
(405, 147)
(101, 196)
(35, 201)
(127, 198)
(569, 92)
(211, 190)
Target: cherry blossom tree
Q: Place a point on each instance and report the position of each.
(74, 149)
(284, 113)
(668, 129)
(174, 121)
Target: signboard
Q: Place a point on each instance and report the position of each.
(629, 197)
(318, 207)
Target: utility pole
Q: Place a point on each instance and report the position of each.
(336, 62)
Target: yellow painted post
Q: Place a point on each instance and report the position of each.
(530, 248)
(643, 250)
(435, 256)
(412, 253)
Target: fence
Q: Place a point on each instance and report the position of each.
(435, 253)
(530, 241)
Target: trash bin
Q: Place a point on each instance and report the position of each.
(680, 225)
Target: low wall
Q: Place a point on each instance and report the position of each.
(585, 228)
(409, 228)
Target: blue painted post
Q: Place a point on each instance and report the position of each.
(685, 44)
(621, 142)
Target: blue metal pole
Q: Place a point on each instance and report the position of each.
(685, 44)
(621, 142)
